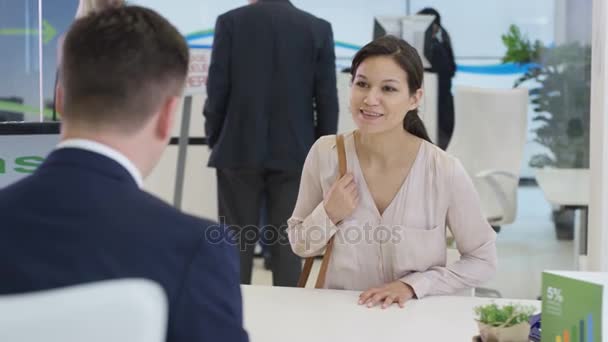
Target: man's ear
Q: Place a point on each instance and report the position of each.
(59, 99)
(166, 117)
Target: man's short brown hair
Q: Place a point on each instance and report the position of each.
(119, 65)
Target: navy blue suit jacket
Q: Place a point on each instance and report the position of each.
(271, 90)
(81, 218)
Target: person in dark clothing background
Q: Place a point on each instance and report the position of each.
(438, 51)
(271, 94)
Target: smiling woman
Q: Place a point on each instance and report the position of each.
(387, 77)
(400, 195)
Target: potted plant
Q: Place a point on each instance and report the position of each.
(508, 323)
(560, 98)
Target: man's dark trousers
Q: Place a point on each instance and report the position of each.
(240, 193)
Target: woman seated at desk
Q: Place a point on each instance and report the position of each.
(389, 213)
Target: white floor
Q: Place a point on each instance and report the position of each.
(529, 246)
(525, 249)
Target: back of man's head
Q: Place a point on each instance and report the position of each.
(119, 68)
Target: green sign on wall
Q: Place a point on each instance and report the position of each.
(26, 164)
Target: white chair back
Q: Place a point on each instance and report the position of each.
(128, 310)
(489, 137)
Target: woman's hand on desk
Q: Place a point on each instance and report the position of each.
(395, 292)
(341, 199)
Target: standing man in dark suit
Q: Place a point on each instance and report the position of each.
(82, 216)
(271, 93)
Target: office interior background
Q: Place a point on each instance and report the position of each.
(540, 214)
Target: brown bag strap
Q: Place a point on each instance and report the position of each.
(305, 271)
(330, 244)
(341, 155)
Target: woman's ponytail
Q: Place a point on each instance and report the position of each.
(414, 125)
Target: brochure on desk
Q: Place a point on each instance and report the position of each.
(573, 308)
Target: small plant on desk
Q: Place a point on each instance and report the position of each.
(504, 323)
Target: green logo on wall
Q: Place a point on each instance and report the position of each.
(26, 164)
(48, 31)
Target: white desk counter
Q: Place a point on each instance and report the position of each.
(274, 314)
(567, 187)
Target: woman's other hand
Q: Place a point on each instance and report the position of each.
(395, 292)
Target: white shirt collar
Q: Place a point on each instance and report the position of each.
(104, 150)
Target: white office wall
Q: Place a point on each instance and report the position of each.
(351, 20)
(568, 24)
(475, 25)
(597, 237)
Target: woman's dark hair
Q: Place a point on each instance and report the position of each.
(408, 59)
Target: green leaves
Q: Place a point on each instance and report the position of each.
(560, 89)
(519, 48)
(561, 101)
(505, 316)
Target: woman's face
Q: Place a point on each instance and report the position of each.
(380, 96)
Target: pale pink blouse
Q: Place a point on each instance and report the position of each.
(408, 241)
